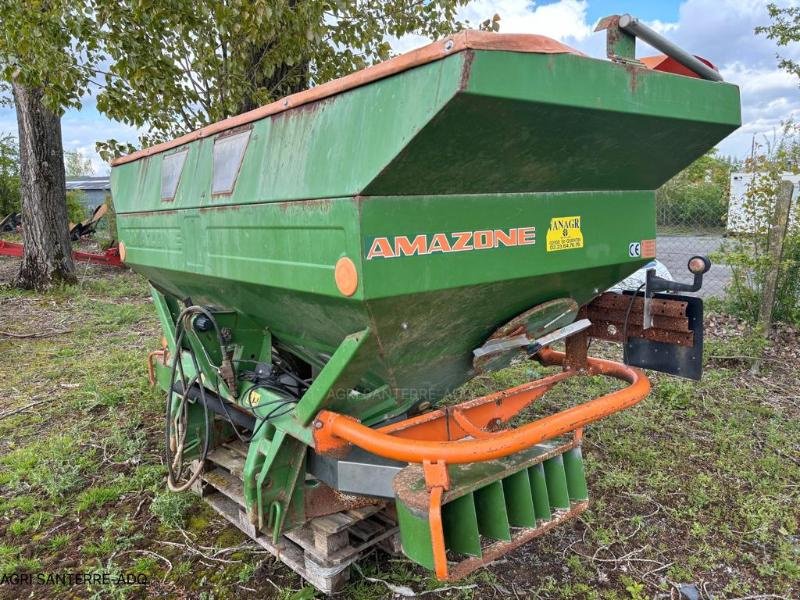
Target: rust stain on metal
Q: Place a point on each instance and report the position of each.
(300, 204)
(677, 324)
(235, 130)
(221, 207)
(577, 347)
(658, 306)
(633, 75)
(610, 311)
(310, 107)
(323, 500)
(318, 204)
(466, 69)
(613, 331)
(151, 213)
(613, 35)
(607, 22)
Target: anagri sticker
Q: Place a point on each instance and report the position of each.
(564, 233)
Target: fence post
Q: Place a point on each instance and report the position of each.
(775, 237)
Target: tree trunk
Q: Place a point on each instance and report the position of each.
(45, 231)
(284, 81)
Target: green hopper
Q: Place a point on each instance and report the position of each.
(328, 267)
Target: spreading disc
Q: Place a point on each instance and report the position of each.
(505, 343)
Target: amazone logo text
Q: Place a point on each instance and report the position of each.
(461, 241)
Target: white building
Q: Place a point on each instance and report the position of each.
(743, 218)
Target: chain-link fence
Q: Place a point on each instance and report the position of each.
(675, 248)
(691, 218)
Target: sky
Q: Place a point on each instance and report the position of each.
(719, 30)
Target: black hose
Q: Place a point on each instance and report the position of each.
(196, 391)
(180, 329)
(625, 325)
(215, 405)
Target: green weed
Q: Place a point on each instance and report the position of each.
(97, 496)
(171, 508)
(59, 541)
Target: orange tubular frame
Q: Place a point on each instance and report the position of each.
(438, 436)
(469, 433)
(151, 368)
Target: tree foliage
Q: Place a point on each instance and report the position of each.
(48, 53)
(179, 65)
(76, 206)
(170, 67)
(749, 254)
(784, 29)
(52, 45)
(697, 197)
(76, 164)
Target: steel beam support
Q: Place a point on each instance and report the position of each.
(336, 376)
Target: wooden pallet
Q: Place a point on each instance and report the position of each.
(322, 550)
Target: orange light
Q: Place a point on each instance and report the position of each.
(122, 251)
(346, 276)
(697, 265)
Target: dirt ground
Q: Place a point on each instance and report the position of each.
(695, 492)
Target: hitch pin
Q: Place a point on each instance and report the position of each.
(698, 266)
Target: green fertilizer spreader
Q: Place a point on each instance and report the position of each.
(328, 267)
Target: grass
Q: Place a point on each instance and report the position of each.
(697, 485)
(171, 509)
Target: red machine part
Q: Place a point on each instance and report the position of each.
(667, 64)
(110, 257)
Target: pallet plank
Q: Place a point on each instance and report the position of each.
(322, 550)
(227, 484)
(333, 523)
(304, 537)
(228, 458)
(326, 580)
(365, 511)
(241, 448)
(366, 530)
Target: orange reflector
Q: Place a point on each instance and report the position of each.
(346, 276)
(648, 248)
(122, 251)
(697, 265)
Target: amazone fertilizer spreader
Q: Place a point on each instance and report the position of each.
(328, 267)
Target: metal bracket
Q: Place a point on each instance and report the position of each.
(620, 45)
(357, 472)
(622, 31)
(336, 374)
(676, 359)
(698, 266)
